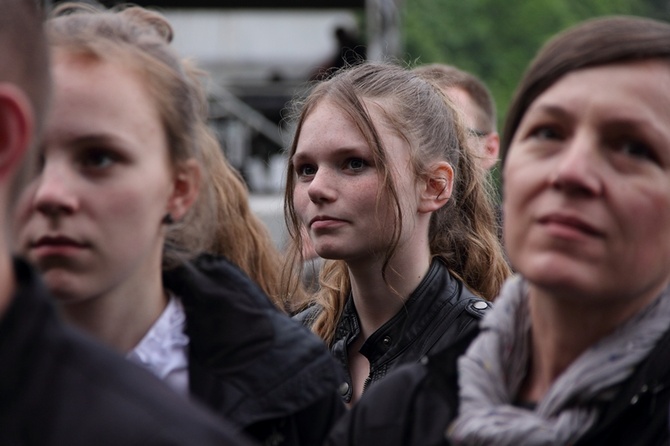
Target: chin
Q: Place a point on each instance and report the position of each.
(559, 275)
(63, 288)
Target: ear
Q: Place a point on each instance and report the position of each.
(437, 187)
(17, 124)
(187, 179)
(491, 150)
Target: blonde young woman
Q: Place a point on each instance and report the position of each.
(120, 204)
(380, 178)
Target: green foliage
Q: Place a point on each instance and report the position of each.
(496, 40)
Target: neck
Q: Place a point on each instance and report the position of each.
(122, 316)
(561, 331)
(378, 301)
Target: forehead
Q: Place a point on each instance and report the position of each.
(100, 96)
(635, 91)
(328, 127)
(471, 112)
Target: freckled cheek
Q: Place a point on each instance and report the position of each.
(300, 200)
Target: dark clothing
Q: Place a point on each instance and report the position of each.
(58, 387)
(440, 310)
(250, 363)
(412, 406)
(416, 404)
(639, 413)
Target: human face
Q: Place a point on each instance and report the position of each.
(587, 185)
(337, 185)
(483, 141)
(91, 220)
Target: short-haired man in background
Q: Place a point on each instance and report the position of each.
(473, 98)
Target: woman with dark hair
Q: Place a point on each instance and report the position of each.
(576, 349)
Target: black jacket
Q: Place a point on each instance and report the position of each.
(440, 310)
(415, 405)
(59, 387)
(250, 363)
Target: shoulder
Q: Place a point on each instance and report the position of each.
(449, 287)
(307, 316)
(209, 277)
(107, 397)
(263, 364)
(639, 414)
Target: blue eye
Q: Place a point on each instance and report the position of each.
(356, 164)
(305, 170)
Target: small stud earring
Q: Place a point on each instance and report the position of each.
(167, 219)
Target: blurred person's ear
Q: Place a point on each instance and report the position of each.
(16, 128)
(491, 150)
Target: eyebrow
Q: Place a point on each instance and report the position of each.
(340, 151)
(550, 109)
(93, 138)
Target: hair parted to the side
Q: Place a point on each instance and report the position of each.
(448, 76)
(140, 39)
(595, 42)
(463, 232)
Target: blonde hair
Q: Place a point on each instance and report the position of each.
(140, 39)
(463, 232)
(241, 236)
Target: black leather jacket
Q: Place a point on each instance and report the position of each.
(250, 363)
(440, 310)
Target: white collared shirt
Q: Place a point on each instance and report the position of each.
(164, 349)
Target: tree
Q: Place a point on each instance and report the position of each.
(496, 40)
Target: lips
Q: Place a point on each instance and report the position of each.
(58, 240)
(324, 221)
(55, 245)
(571, 222)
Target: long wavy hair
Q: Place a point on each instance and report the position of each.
(463, 232)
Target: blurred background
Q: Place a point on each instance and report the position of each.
(262, 53)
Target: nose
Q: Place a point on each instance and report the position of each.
(322, 187)
(54, 195)
(578, 169)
